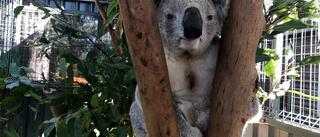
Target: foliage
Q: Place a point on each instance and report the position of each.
(282, 16)
(101, 105)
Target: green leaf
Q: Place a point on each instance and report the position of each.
(99, 123)
(27, 81)
(54, 95)
(4, 61)
(73, 127)
(112, 113)
(60, 52)
(9, 100)
(111, 6)
(3, 76)
(107, 22)
(35, 111)
(92, 55)
(12, 133)
(130, 75)
(261, 55)
(28, 70)
(17, 10)
(50, 130)
(12, 85)
(63, 68)
(289, 51)
(275, 56)
(310, 60)
(16, 57)
(70, 58)
(18, 124)
(119, 66)
(15, 107)
(52, 120)
(35, 96)
(70, 75)
(15, 70)
(123, 131)
(279, 4)
(62, 129)
(293, 24)
(292, 73)
(285, 85)
(95, 100)
(269, 68)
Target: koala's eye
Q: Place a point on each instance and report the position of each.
(209, 17)
(171, 17)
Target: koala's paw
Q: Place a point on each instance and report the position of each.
(190, 132)
(256, 112)
(137, 120)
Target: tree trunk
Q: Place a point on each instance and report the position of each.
(146, 50)
(236, 82)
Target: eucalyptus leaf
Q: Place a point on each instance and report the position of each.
(62, 129)
(292, 73)
(285, 85)
(63, 68)
(17, 10)
(95, 100)
(49, 130)
(310, 60)
(12, 85)
(289, 51)
(269, 68)
(107, 22)
(3, 60)
(293, 24)
(15, 107)
(73, 127)
(111, 6)
(15, 57)
(99, 122)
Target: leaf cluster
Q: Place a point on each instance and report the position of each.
(101, 105)
(282, 16)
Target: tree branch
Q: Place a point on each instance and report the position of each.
(146, 50)
(236, 81)
(109, 27)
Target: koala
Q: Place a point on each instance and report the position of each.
(188, 30)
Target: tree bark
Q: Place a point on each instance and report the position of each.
(146, 50)
(236, 81)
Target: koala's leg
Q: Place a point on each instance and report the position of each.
(185, 129)
(185, 117)
(137, 120)
(256, 114)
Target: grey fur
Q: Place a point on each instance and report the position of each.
(191, 64)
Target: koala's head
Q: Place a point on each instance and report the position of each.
(189, 25)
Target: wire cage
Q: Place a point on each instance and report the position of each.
(23, 32)
(292, 108)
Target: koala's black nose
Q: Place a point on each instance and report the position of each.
(192, 23)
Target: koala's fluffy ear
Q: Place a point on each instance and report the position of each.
(222, 8)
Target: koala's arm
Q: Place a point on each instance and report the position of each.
(137, 118)
(139, 125)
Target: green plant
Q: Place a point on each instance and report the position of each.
(101, 105)
(282, 16)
